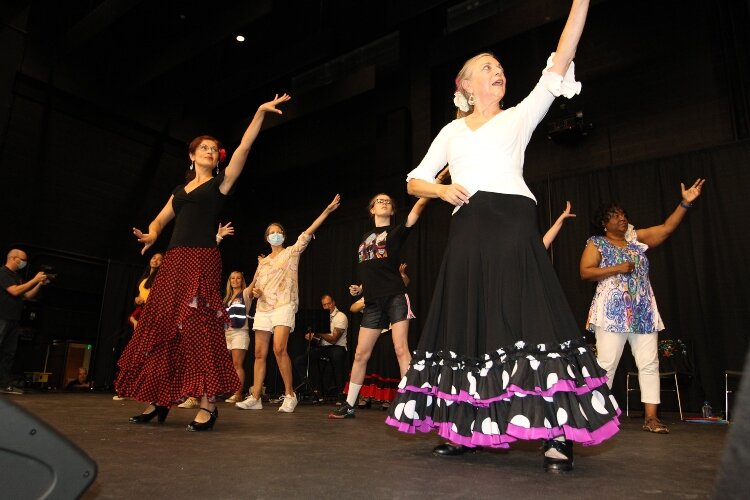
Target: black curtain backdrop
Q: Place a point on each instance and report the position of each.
(120, 289)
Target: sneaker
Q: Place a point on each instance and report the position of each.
(250, 403)
(189, 403)
(11, 390)
(117, 398)
(289, 404)
(234, 399)
(343, 411)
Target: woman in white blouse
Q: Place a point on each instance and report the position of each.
(501, 357)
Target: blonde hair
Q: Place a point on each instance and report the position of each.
(230, 291)
(465, 74)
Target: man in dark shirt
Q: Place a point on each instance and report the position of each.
(13, 291)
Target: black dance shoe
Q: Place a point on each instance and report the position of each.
(451, 450)
(559, 464)
(160, 412)
(204, 426)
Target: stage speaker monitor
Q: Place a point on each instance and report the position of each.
(36, 461)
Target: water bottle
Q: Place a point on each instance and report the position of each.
(706, 409)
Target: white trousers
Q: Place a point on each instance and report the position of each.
(609, 346)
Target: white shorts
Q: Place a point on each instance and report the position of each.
(237, 338)
(281, 316)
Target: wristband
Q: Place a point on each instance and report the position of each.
(685, 205)
(218, 238)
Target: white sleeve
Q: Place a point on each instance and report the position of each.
(535, 106)
(435, 160)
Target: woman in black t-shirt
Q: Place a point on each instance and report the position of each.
(386, 301)
(179, 349)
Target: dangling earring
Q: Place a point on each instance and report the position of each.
(472, 100)
(192, 165)
(217, 169)
(502, 103)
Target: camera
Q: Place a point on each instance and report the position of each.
(49, 271)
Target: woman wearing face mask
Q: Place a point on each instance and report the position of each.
(276, 288)
(178, 348)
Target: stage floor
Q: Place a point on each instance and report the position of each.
(266, 454)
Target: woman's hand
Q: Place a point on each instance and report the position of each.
(147, 239)
(226, 230)
(691, 194)
(334, 204)
(355, 290)
(139, 301)
(270, 106)
(257, 292)
(625, 267)
(455, 194)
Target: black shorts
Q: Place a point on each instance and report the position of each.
(384, 311)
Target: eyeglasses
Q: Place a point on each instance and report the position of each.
(206, 148)
(383, 201)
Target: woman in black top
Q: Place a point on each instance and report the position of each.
(178, 349)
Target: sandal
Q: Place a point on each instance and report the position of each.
(655, 425)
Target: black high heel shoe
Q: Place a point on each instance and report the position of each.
(204, 426)
(160, 412)
(559, 464)
(451, 450)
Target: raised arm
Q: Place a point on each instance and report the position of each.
(566, 47)
(156, 226)
(239, 157)
(656, 235)
(323, 216)
(554, 229)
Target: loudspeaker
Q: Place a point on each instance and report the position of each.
(36, 461)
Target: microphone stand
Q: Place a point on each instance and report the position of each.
(305, 390)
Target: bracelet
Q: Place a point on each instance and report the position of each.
(218, 238)
(685, 205)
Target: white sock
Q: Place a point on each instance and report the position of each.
(351, 396)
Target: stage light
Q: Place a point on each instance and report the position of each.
(240, 38)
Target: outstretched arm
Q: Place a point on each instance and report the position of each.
(323, 216)
(156, 226)
(237, 163)
(566, 47)
(418, 207)
(656, 235)
(551, 233)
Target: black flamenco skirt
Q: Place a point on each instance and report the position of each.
(179, 348)
(501, 357)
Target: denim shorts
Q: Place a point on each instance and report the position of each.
(384, 311)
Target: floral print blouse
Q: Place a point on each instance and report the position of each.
(277, 277)
(624, 303)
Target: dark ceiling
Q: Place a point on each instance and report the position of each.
(150, 58)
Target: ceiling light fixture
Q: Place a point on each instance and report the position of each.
(240, 38)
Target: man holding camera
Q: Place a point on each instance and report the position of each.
(13, 291)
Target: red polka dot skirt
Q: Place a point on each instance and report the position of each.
(178, 348)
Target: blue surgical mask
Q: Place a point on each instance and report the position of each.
(275, 239)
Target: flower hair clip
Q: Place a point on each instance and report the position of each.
(222, 155)
(459, 100)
